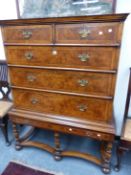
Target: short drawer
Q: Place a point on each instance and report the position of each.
(28, 34)
(84, 108)
(78, 57)
(61, 80)
(87, 33)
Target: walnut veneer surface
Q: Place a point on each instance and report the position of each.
(63, 73)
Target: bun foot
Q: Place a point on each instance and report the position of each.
(106, 170)
(58, 158)
(18, 147)
(57, 155)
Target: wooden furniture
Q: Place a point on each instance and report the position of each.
(63, 74)
(5, 104)
(125, 139)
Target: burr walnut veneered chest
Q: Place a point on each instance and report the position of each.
(63, 73)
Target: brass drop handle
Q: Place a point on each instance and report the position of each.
(27, 34)
(82, 82)
(31, 78)
(34, 101)
(82, 107)
(84, 33)
(28, 55)
(83, 57)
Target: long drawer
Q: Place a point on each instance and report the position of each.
(88, 33)
(77, 131)
(61, 80)
(28, 34)
(84, 108)
(80, 57)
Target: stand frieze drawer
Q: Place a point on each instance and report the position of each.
(64, 80)
(80, 57)
(28, 34)
(63, 104)
(78, 131)
(88, 33)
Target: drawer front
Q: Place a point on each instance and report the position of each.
(69, 81)
(77, 131)
(67, 105)
(28, 34)
(79, 57)
(88, 33)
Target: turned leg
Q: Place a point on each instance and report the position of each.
(4, 127)
(57, 154)
(16, 134)
(119, 152)
(106, 156)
